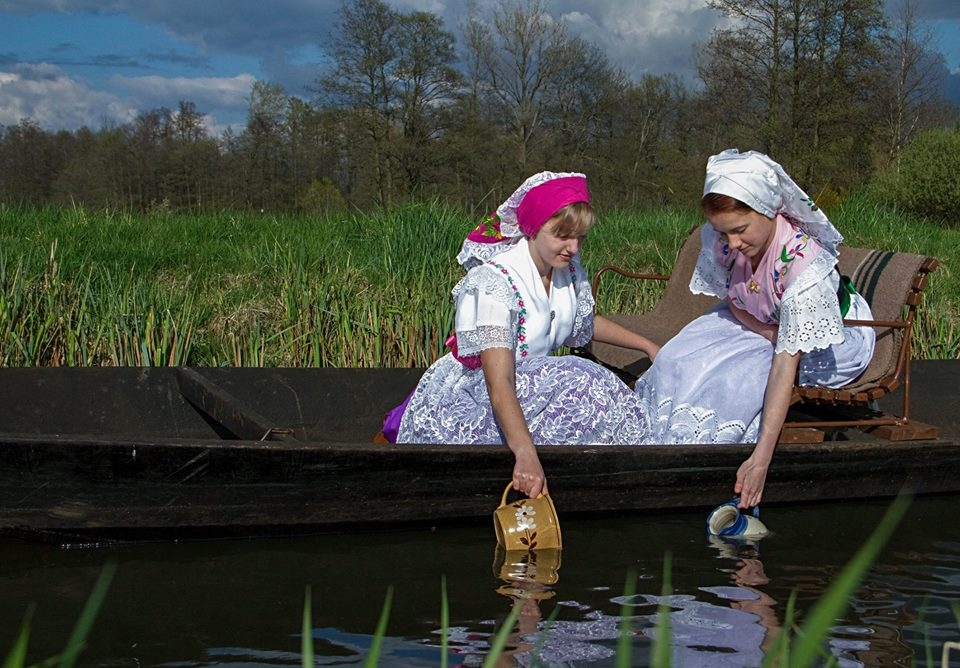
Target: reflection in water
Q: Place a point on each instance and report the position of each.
(736, 631)
(528, 576)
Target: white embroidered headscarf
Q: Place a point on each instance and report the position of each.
(763, 185)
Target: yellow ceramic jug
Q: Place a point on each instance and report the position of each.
(527, 524)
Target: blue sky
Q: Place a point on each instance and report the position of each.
(69, 63)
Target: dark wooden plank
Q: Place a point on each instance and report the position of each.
(228, 411)
(145, 489)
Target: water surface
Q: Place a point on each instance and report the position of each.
(240, 602)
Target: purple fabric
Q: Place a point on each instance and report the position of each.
(391, 422)
(564, 399)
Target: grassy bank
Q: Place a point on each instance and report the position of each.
(84, 288)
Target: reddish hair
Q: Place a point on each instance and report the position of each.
(713, 203)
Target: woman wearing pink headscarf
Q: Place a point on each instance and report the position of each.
(524, 296)
(728, 376)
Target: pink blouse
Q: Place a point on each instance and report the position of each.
(758, 291)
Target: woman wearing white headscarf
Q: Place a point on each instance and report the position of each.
(728, 376)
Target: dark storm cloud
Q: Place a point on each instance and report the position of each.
(248, 27)
(269, 31)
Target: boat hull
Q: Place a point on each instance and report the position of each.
(121, 453)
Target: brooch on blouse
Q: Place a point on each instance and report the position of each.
(753, 286)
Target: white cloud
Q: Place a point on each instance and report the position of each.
(156, 91)
(649, 37)
(43, 93)
(55, 101)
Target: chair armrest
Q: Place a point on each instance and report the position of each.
(893, 324)
(595, 284)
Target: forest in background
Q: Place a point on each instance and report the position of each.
(833, 89)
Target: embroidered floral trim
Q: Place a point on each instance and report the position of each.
(522, 344)
(791, 251)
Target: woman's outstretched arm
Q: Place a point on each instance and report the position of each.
(607, 331)
(752, 474)
(500, 373)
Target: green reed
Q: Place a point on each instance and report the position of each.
(17, 656)
(81, 288)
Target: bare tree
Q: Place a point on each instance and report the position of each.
(363, 80)
(427, 82)
(519, 58)
(263, 145)
(743, 65)
(799, 76)
(916, 75)
(392, 73)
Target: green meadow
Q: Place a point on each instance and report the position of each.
(352, 290)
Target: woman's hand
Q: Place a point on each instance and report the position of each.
(528, 475)
(751, 477)
(752, 474)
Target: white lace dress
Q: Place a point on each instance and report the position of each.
(565, 399)
(707, 383)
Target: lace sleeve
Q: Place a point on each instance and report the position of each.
(709, 277)
(486, 312)
(809, 312)
(583, 320)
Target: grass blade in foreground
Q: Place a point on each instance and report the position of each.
(625, 637)
(306, 631)
(374, 655)
(662, 646)
(500, 640)
(85, 622)
(444, 621)
(19, 652)
(824, 614)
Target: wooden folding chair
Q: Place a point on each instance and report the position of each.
(892, 283)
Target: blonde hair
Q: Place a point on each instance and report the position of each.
(573, 220)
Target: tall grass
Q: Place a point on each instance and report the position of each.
(355, 290)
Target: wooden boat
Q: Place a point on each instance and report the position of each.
(158, 453)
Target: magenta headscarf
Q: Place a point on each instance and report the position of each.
(531, 205)
(541, 202)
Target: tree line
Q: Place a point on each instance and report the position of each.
(833, 89)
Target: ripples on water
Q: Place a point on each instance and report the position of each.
(240, 602)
